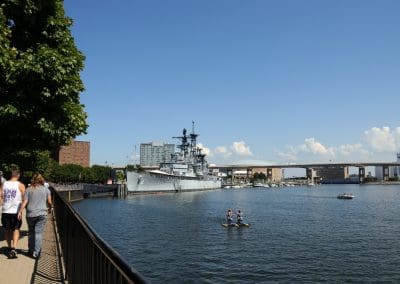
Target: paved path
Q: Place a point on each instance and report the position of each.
(46, 269)
(17, 270)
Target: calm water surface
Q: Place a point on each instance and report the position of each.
(297, 235)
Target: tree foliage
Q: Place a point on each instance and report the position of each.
(53, 172)
(70, 173)
(259, 177)
(134, 168)
(40, 81)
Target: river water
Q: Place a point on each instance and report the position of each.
(297, 234)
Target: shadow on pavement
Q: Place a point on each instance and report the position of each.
(48, 266)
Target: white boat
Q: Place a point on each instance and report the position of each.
(259, 184)
(345, 196)
(187, 171)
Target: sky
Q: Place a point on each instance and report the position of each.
(266, 82)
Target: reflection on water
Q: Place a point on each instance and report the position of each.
(297, 234)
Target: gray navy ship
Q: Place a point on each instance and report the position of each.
(186, 171)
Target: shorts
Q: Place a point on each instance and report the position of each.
(10, 221)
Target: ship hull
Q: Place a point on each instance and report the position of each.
(147, 182)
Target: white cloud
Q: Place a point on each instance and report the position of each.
(221, 150)
(205, 150)
(349, 149)
(310, 145)
(241, 149)
(287, 156)
(254, 162)
(311, 149)
(383, 139)
(396, 134)
(315, 147)
(232, 152)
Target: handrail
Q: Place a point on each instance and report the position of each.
(87, 257)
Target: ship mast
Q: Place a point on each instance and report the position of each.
(184, 143)
(193, 142)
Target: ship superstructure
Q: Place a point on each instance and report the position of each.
(187, 170)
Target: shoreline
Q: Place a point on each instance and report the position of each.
(381, 183)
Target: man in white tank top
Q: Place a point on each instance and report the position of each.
(2, 179)
(12, 194)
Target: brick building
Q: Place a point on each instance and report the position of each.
(77, 152)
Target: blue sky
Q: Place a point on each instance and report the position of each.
(265, 81)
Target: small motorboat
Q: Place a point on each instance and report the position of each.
(345, 196)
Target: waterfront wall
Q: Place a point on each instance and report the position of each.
(79, 191)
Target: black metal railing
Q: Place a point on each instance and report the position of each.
(87, 257)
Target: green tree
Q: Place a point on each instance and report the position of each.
(40, 81)
(120, 176)
(67, 173)
(88, 176)
(130, 168)
(134, 168)
(259, 177)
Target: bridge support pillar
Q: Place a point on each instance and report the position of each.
(269, 175)
(249, 174)
(311, 174)
(385, 171)
(229, 176)
(361, 174)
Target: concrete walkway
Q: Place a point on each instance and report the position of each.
(46, 269)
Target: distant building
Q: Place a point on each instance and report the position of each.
(77, 152)
(272, 174)
(245, 174)
(379, 172)
(392, 171)
(154, 153)
(333, 174)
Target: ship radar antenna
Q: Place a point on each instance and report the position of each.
(193, 137)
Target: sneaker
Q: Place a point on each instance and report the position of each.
(12, 253)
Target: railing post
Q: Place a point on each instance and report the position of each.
(87, 258)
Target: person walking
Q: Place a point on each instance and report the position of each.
(12, 193)
(38, 204)
(2, 179)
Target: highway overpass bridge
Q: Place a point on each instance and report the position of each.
(312, 167)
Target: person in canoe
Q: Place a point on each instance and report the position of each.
(229, 216)
(239, 217)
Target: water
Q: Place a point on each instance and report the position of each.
(297, 234)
